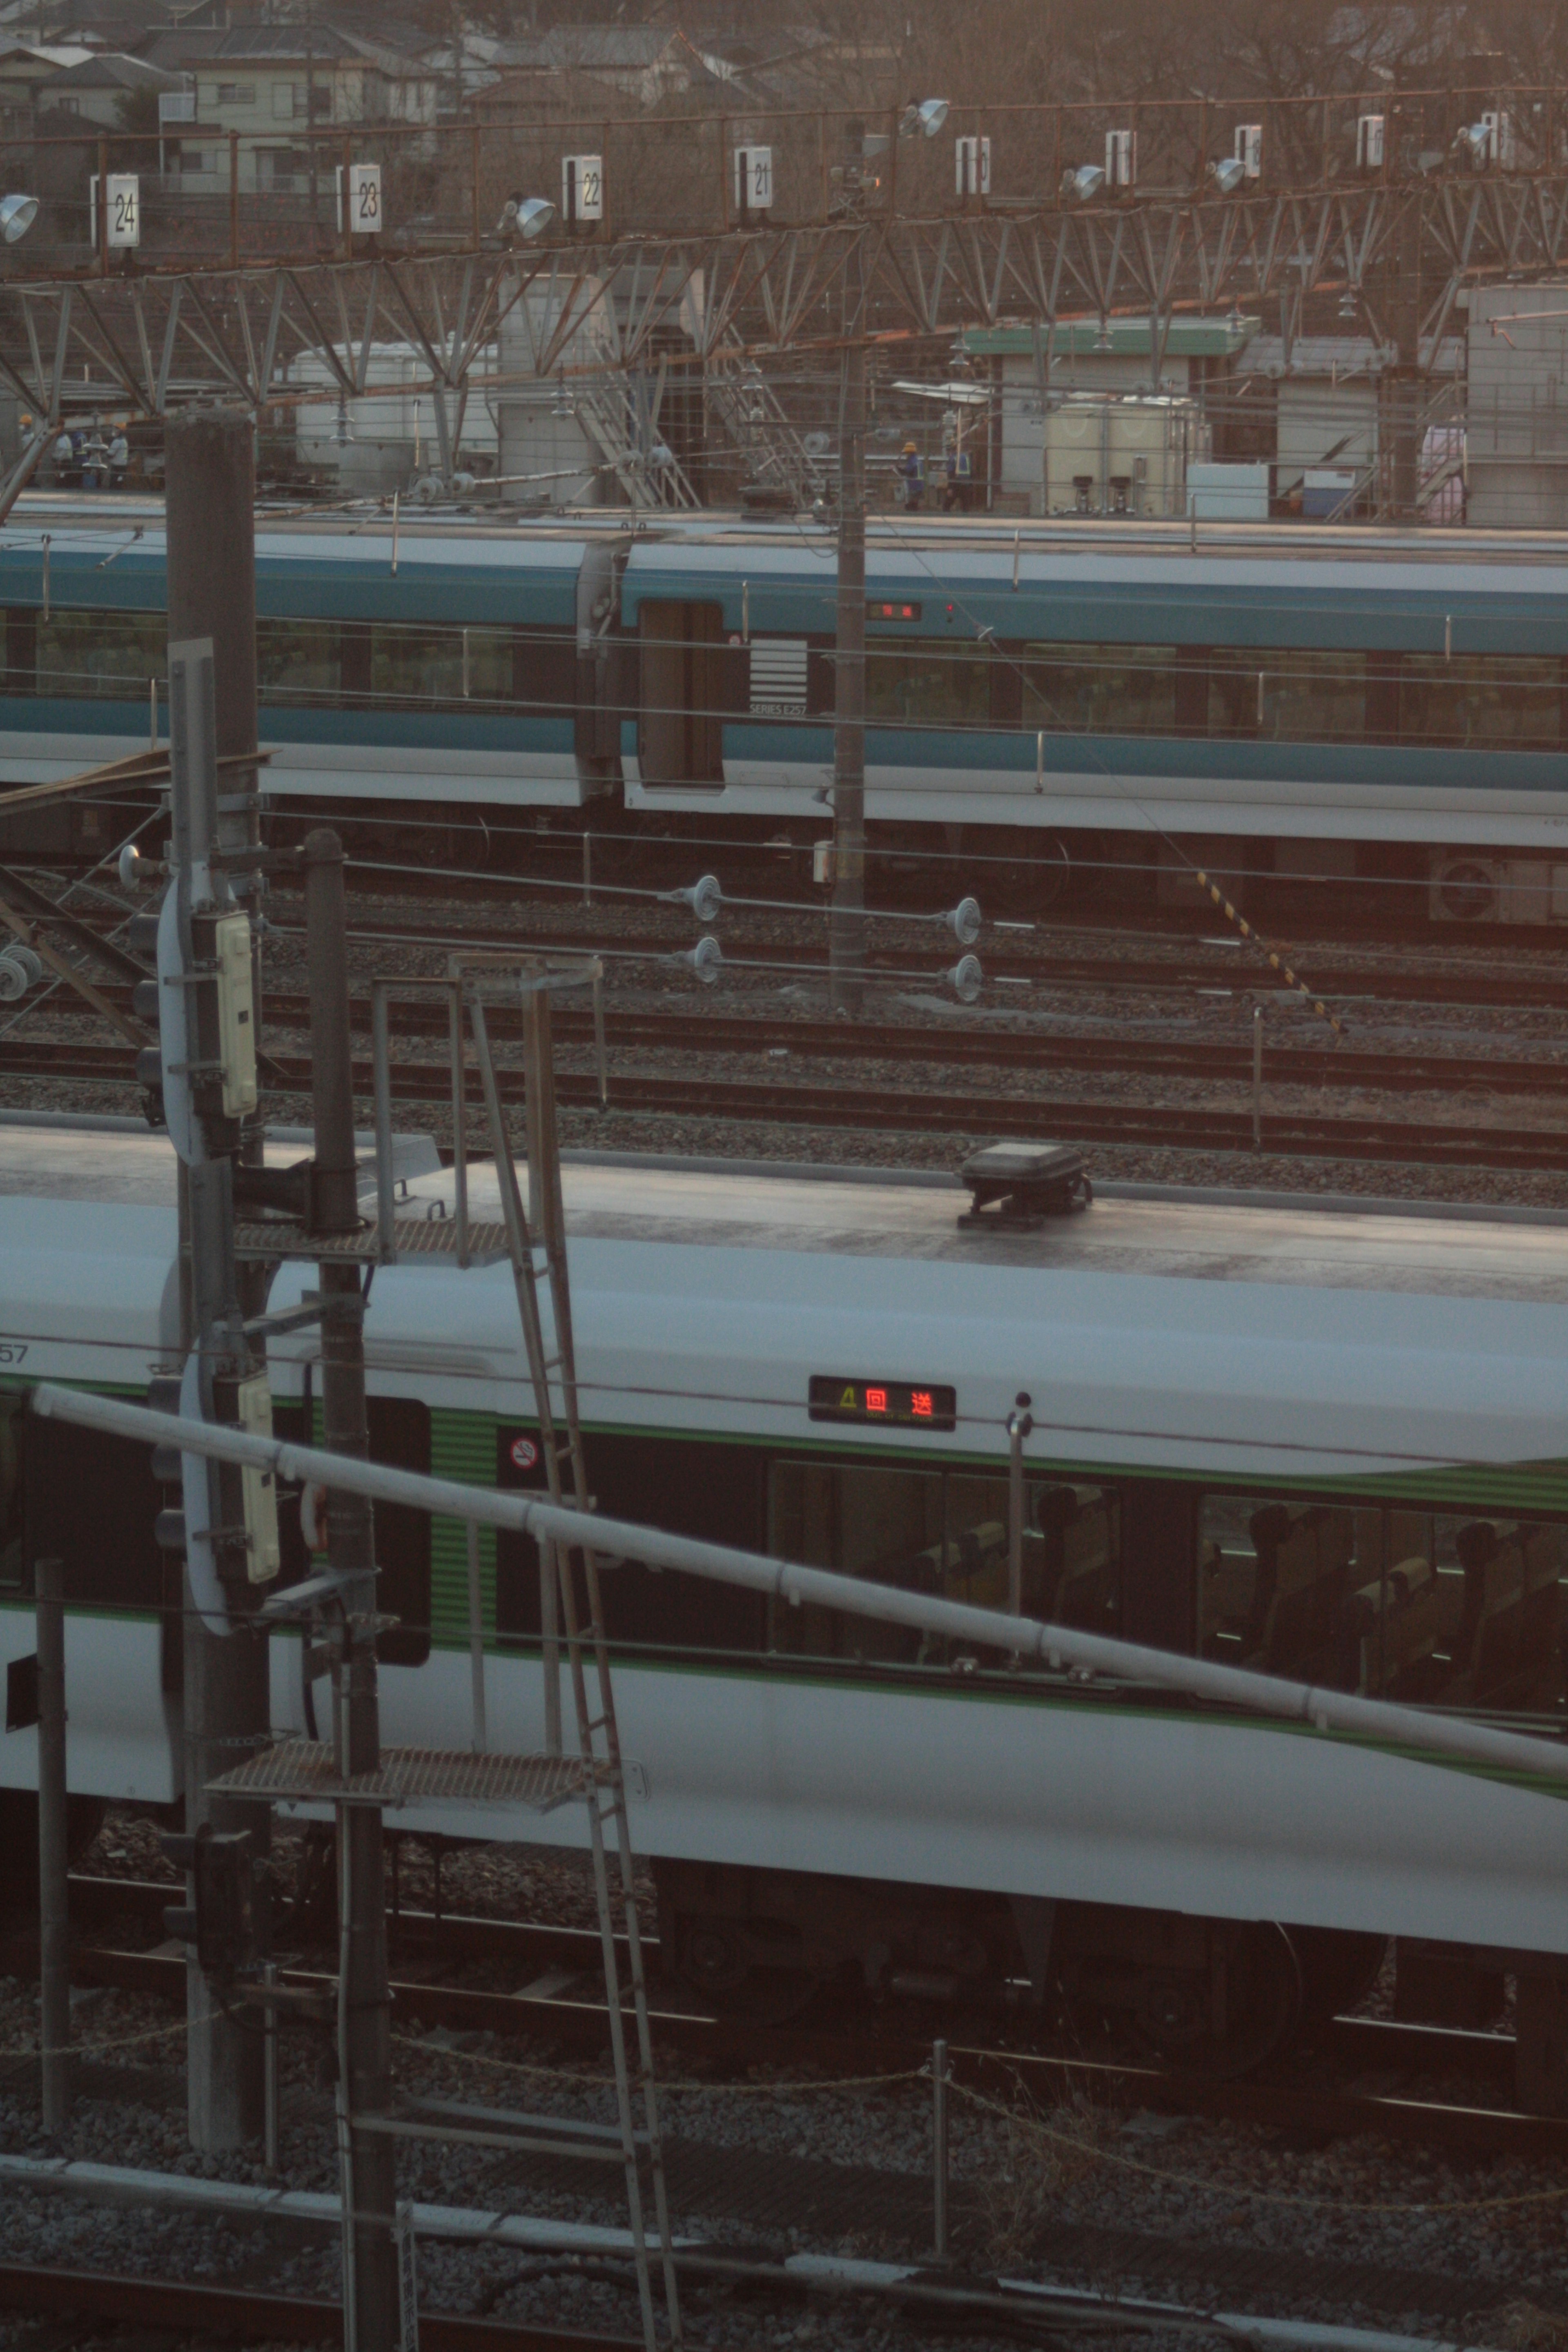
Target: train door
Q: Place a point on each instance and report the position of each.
(686, 693)
(597, 732)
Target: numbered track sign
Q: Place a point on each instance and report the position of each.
(119, 208)
(582, 187)
(973, 160)
(753, 179)
(124, 209)
(364, 199)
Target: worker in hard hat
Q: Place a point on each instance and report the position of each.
(912, 477)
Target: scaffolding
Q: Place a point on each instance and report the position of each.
(531, 1238)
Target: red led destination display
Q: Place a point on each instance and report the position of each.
(896, 610)
(904, 1405)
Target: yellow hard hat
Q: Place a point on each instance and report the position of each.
(909, 446)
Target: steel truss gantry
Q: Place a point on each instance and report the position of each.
(1400, 253)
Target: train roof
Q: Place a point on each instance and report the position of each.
(1138, 582)
(1199, 1234)
(306, 569)
(1197, 1334)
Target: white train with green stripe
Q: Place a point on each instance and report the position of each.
(1323, 1439)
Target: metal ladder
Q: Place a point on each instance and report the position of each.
(536, 1246)
(605, 409)
(758, 423)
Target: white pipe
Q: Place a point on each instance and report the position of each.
(1325, 1710)
(123, 2184)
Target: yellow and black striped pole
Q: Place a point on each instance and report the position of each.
(1290, 979)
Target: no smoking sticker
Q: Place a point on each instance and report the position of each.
(524, 1453)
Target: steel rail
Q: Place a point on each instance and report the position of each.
(550, 1948)
(566, 2021)
(710, 1032)
(1424, 1143)
(250, 2314)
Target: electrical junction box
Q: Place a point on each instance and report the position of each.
(260, 1488)
(235, 1014)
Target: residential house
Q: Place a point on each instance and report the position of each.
(101, 89)
(25, 68)
(268, 81)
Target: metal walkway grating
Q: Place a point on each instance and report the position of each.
(416, 1238)
(307, 1770)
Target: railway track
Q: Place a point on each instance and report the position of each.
(705, 1031)
(559, 2000)
(886, 1110)
(180, 2312)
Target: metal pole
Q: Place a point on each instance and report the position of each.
(1423, 1732)
(587, 869)
(846, 924)
(211, 495)
(53, 1927)
(477, 1639)
(269, 2074)
(939, 2147)
(1258, 1077)
(1019, 1424)
(364, 2056)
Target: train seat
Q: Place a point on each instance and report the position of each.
(1393, 1624)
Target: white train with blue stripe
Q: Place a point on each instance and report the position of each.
(1303, 702)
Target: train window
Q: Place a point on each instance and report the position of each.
(690, 1489)
(92, 1504)
(16, 1575)
(390, 664)
(1286, 697)
(1480, 699)
(1275, 1580)
(690, 683)
(942, 1532)
(21, 649)
(1468, 1613)
(409, 664)
(298, 661)
(1394, 1604)
(1101, 689)
(83, 655)
(928, 684)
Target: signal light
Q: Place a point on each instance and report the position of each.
(221, 1918)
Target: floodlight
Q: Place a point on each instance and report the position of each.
(1227, 173)
(17, 214)
(524, 216)
(1082, 186)
(922, 117)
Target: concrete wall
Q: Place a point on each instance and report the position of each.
(1518, 412)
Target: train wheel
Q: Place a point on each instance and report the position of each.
(1229, 2020)
(1338, 1970)
(1036, 881)
(717, 1962)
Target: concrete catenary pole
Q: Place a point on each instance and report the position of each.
(371, 2295)
(210, 485)
(846, 928)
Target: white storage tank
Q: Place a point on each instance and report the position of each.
(1121, 455)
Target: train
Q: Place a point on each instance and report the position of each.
(1333, 706)
(1319, 1438)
